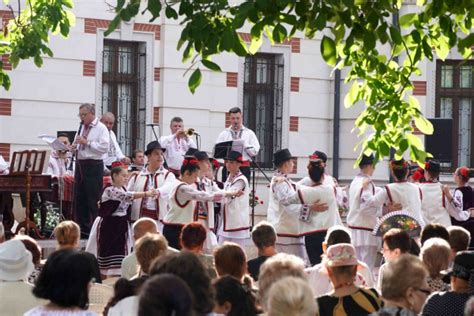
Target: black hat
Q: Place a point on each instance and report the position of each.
(201, 155)
(234, 156)
(321, 155)
(282, 155)
(152, 146)
(191, 151)
(432, 165)
(463, 266)
(366, 160)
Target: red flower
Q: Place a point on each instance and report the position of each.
(427, 165)
(464, 172)
(261, 202)
(313, 157)
(120, 164)
(417, 175)
(191, 161)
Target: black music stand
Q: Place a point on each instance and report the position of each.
(221, 150)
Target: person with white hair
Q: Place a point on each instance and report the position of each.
(291, 296)
(114, 153)
(16, 265)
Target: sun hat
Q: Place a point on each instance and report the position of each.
(340, 255)
(16, 262)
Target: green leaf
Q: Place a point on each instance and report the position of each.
(195, 80)
(352, 96)
(171, 13)
(68, 3)
(424, 125)
(395, 35)
(255, 45)
(227, 40)
(328, 50)
(414, 141)
(120, 4)
(407, 19)
(154, 7)
(403, 146)
(279, 33)
(369, 41)
(113, 25)
(384, 148)
(468, 41)
(38, 61)
(211, 65)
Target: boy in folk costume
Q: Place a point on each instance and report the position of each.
(399, 194)
(285, 208)
(111, 238)
(361, 220)
(438, 204)
(153, 176)
(205, 210)
(234, 223)
(183, 199)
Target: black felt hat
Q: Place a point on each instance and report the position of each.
(321, 155)
(282, 155)
(234, 156)
(366, 160)
(201, 155)
(152, 146)
(191, 151)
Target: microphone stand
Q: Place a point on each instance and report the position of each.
(255, 164)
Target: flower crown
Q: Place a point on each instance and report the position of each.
(191, 162)
(120, 164)
(394, 165)
(418, 174)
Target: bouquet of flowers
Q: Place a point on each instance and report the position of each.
(52, 217)
(400, 219)
(253, 202)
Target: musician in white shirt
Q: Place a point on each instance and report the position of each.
(114, 153)
(59, 160)
(176, 145)
(90, 145)
(238, 132)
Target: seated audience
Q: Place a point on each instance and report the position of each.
(192, 238)
(433, 230)
(165, 295)
(317, 275)
(32, 246)
(347, 298)
(274, 269)
(65, 282)
(190, 269)
(291, 296)
(462, 284)
(264, 238)
(435, 254)
(67, 234)
(395, 243)
(459, 240)
(233, 298)
(140, 228)
(404, 287)
(230, 260)
(15, 266)
(125, 299)
(147, 249)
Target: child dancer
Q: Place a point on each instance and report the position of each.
(111, 238)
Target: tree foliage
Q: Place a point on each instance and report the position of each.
(380, 53)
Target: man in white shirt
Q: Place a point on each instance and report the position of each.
(90, 146)
(238, 132)
(138, 161)
(176, 145)
(114, 153)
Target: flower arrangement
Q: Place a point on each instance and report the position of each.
(52, 217)
(253, 202)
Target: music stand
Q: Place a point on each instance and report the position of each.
(221, 150)
(25, 163)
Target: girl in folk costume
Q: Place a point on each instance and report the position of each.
(234, 222)
(399, 194)
(341, 194)
(205, 210)
(362, 220)
(314, 225)
(153, 177)
(111, 237)
(463, 195)
(438, 204)
(183, 199)
(285, 208)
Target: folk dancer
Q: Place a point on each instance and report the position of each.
(438, 204)
(234, 223)
(111, 237)
(153, 177)
(183, 199)
(361, 220)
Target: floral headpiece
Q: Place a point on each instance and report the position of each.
(464, 172)
(120, 164)
(427, 165)
(314, 157)
(394, 165)
(418, 174)
(191, 162)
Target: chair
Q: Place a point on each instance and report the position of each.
(99, 296)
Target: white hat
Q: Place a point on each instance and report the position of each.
(15, 261)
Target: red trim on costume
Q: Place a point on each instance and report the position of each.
(443, 196)
(175, 197)
(288, 235)
(360, 228)
(389, 194)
